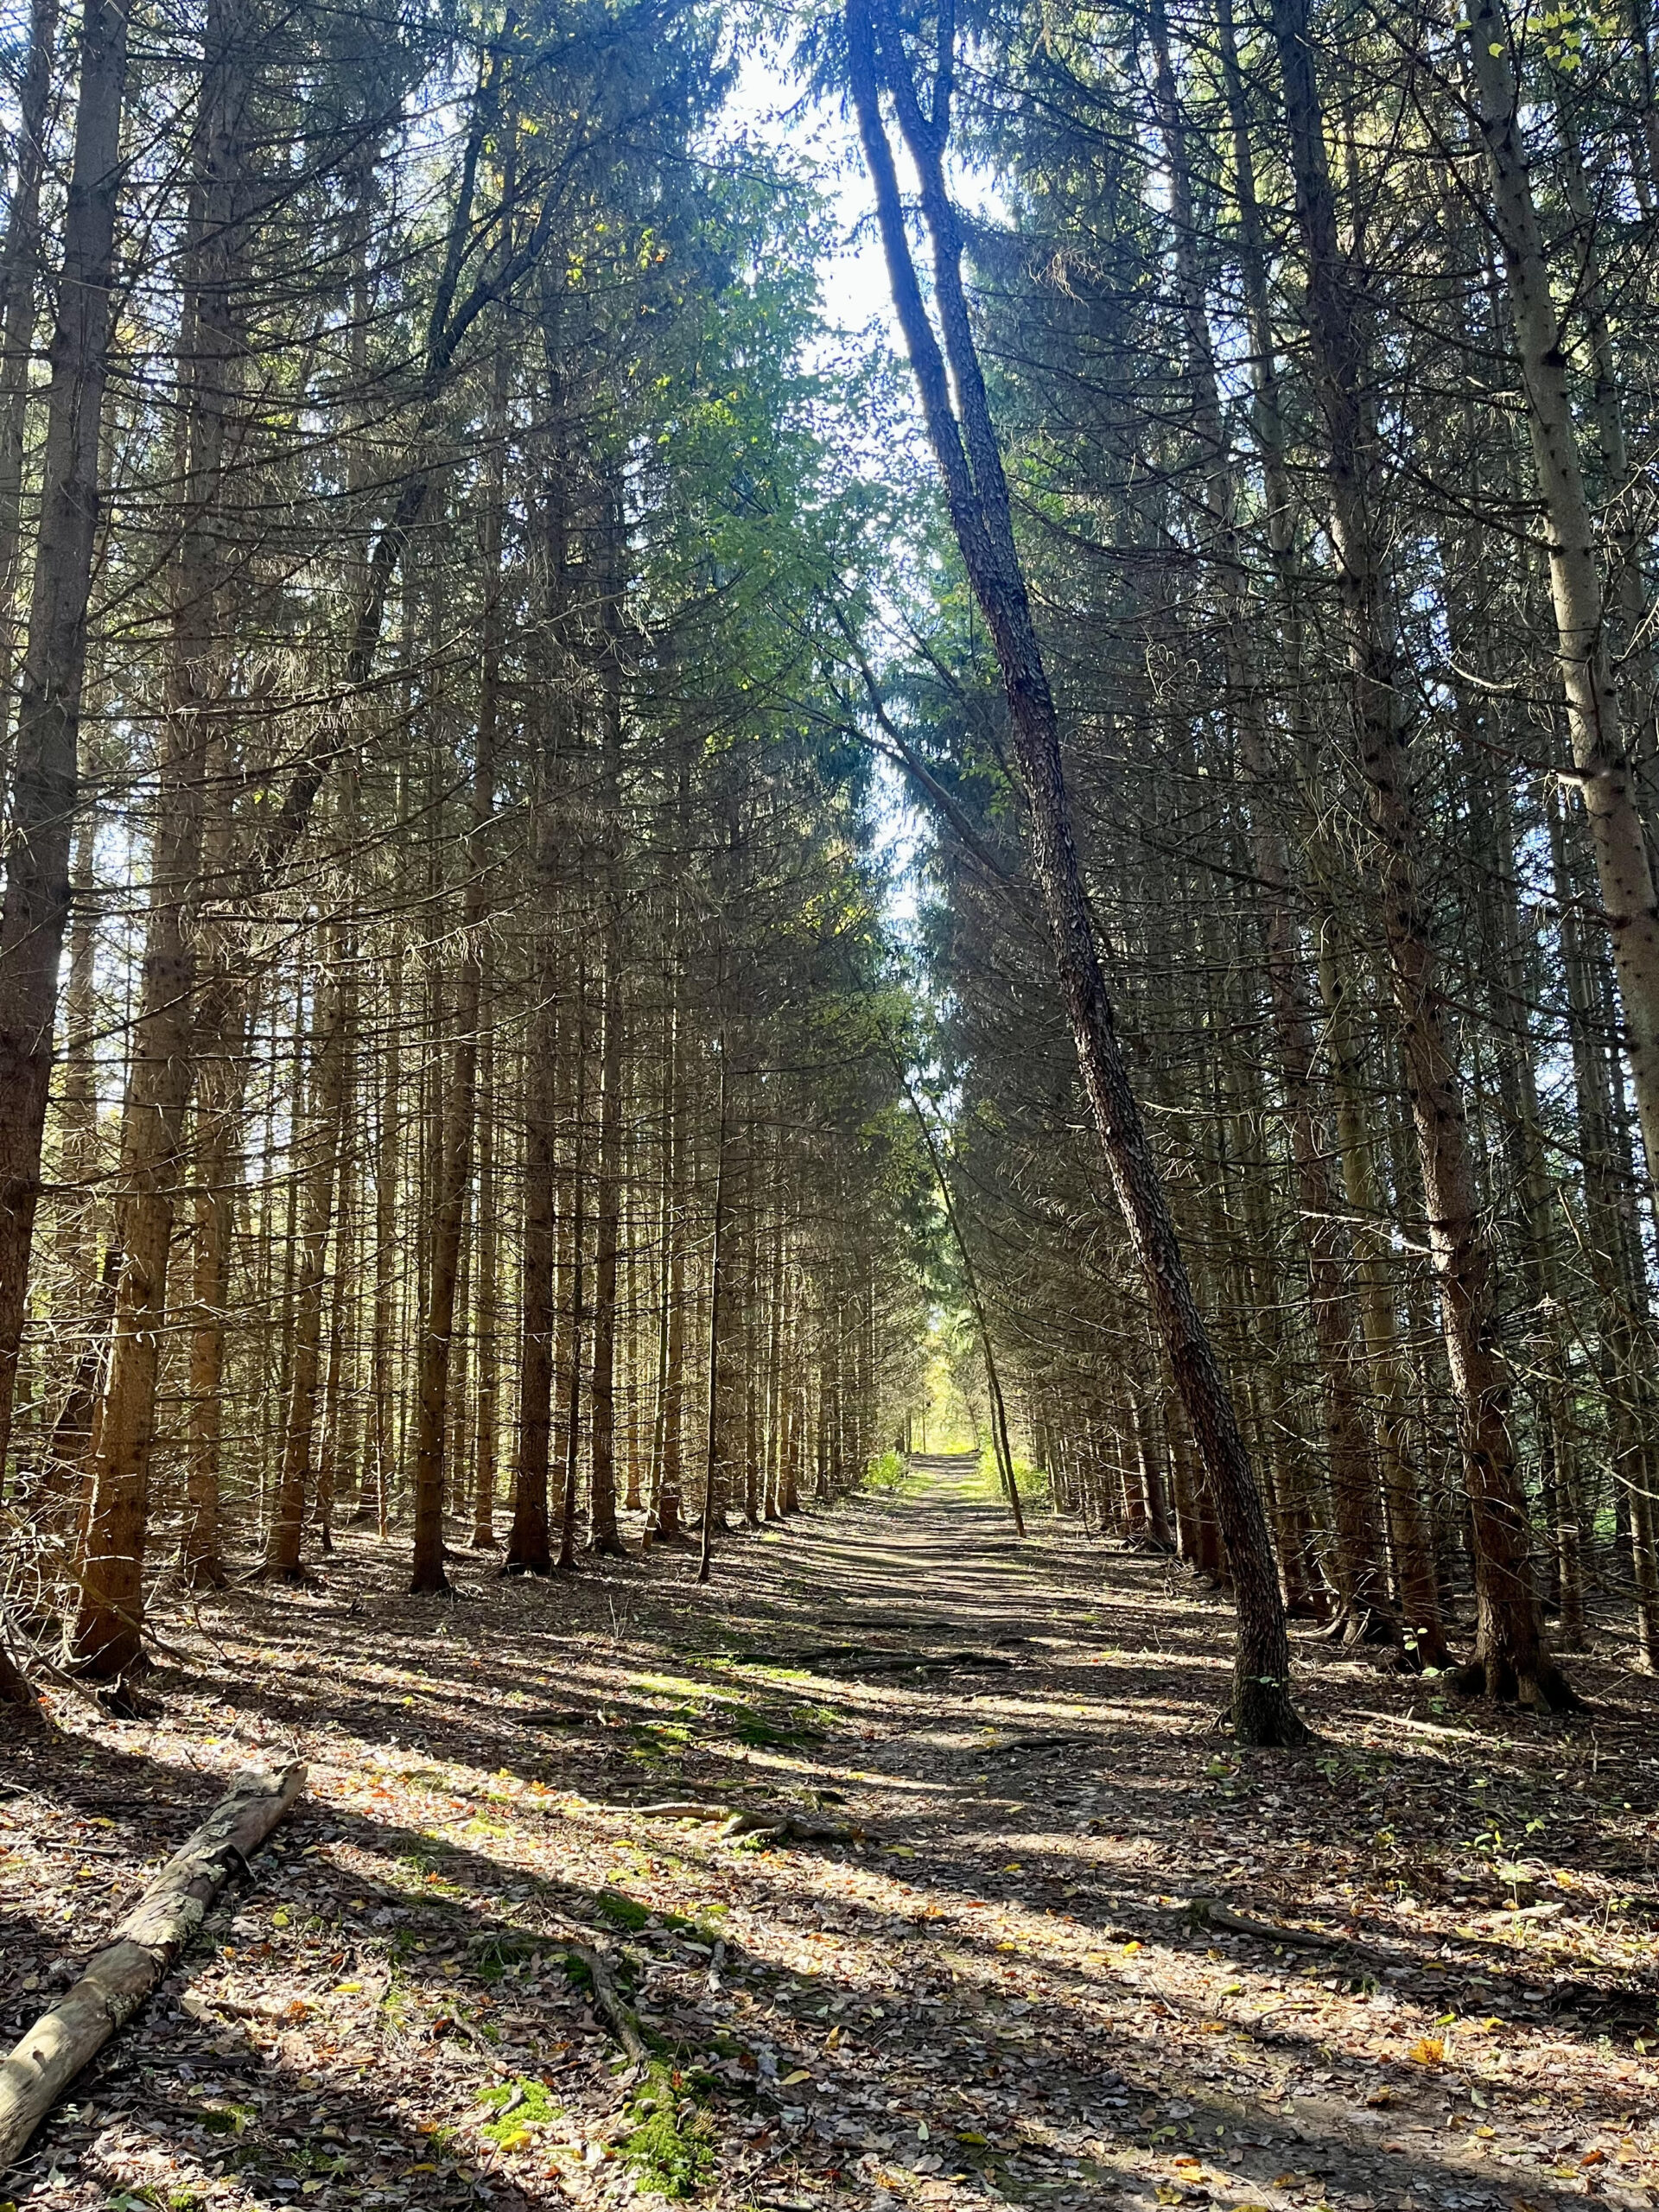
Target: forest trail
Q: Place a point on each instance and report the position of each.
(998, 1990)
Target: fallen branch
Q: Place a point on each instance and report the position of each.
(1421, 1727)
(625, 2021)
(780, 1821)
(117, 1979)
(754, 1820)
(1013, 1744)
(1206, 1912)
(678, 1808)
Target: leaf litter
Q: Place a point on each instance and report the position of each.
(897, 1928)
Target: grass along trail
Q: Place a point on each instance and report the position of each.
(1039, 1936)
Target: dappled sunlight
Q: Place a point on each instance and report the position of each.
(1061, 1942)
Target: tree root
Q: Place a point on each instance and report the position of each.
(18, 1698)
(1206, 1912)
(1493, 1675)
(122, 1700)
(753, 1821)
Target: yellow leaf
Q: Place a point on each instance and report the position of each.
(963, 2138)
(1428, 2050)
(799, 2075)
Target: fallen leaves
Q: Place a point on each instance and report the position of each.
(978, 2027)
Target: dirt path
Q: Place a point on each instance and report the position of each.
(998, 1993)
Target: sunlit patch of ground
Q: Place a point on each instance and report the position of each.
(998, 1989)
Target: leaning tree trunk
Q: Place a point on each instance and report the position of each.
(977, 493)
(1353, 1468)
(1603, 775)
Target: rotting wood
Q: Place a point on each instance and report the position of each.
(119, 1979)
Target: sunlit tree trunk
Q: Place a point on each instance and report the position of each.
(44, 762)
(966, 450)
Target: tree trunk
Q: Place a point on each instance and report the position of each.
(287, 1522)
(105, 1639)
(487, 1290)
(1353, 1470)
(1511, 1659)
(44, 768)
(977, 497)
(1604, 776)
(20, 284)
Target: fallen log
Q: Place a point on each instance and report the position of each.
(117, 1979)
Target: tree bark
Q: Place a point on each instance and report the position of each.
(1511, 1658)
(977, 494)
(118, 1978)
(1603, 775)
(44, 773)
(105, 1640)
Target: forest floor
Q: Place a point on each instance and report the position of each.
(1003, 1993)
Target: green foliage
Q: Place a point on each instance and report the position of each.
(519, 2105)
(760, 1733)
(1030, 1481)
(493, 1954)
(227, 2119)
(668, 2143)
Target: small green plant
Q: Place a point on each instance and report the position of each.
(755, 1730)
(888, 1471)
(1031, 1482)
(655, 1742)
(228, 2119)
(518, 2106)
(495, 1953)
(668, 2144)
